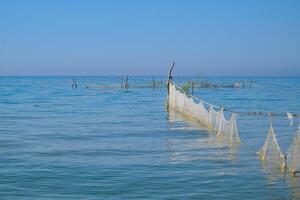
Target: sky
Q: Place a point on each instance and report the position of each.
(139, 37)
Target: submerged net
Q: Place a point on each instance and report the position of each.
(201, 113)
(293, 156)
(270, 152)
(212, 119)
(181, 102)
(228, 129)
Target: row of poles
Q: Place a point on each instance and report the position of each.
(192, 84)
(125, 83)
(253, 113)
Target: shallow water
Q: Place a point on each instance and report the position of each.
(104, 143)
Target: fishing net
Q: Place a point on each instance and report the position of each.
(228, 129)
(172, 97)
(212, 119)
(186, 105)
(177, 100)
(270, 152)
(197, 111)
(201, 113)
(293, 156)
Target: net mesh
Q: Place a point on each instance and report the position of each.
(181, 102)
(228, 129)
(215, 122)
(213, 119)
(270, 152)
(293, 156)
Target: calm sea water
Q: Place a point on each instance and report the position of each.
(102, 143)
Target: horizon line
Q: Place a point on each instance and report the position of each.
(143, 75)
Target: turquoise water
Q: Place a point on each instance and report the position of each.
(106, 143)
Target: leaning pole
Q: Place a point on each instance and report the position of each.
(168, 85)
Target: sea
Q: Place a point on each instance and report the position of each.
(101, 141)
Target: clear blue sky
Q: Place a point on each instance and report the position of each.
(143, 37)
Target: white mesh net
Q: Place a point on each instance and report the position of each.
(215, 121)
(228, 129)
(270, 152)
(293, 156)
(181, 102)
(212, 119)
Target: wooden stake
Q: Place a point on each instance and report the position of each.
(126, 82)
(153, 83)
(170, 77)
(168, 85)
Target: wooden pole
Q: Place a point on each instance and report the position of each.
(168, 85)
(126, 82)
(74, 83)
(153, 83)
(170, 77)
